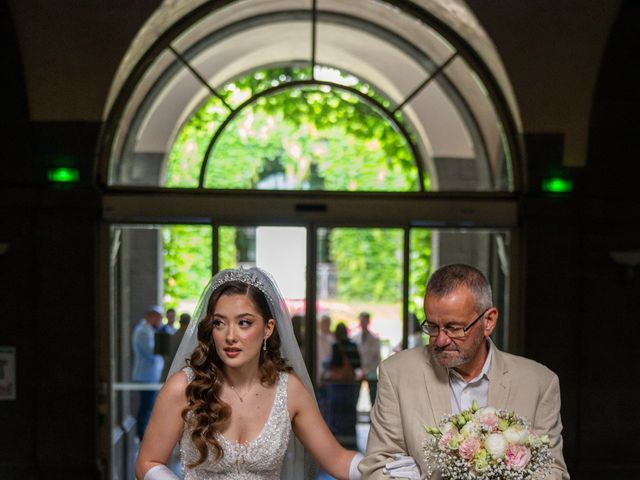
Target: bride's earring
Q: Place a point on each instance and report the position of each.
(264, 345)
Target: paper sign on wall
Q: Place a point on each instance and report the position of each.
(7, 373)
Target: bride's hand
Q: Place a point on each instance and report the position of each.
(354, 473)
(160, 472)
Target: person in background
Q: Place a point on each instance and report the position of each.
(174, 342)
(163, 343)
(169, 326)
(147, 365)
(369, 349)
(325, 341)
(343, 386)
(185, 318)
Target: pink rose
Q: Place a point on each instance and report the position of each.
(447, 436)
(469, 447)
(517, 456)
(488, 421)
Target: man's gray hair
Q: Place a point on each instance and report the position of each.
(448, 278)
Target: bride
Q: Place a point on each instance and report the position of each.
(238, 386)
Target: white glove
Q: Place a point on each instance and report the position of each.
(354, 473)
(403, 466)
(160, 472)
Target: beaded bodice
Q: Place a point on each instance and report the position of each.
(260, 459)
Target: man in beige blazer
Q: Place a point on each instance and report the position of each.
(461, 364)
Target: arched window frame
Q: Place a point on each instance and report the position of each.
(508, 124)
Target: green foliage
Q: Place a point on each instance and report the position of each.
(419, 269)
(187, 262)
(307, 137)
(368, 263)
(227, 251)
(304, 137)
(190, 146)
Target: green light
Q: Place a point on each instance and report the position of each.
(557, 185)
(63, 175)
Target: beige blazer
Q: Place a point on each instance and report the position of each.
(413, 391)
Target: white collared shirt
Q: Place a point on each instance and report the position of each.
(369, 350)
(464, 393)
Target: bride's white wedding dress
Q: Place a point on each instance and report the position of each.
(260, 459)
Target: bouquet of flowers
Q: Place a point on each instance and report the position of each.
(486, 444)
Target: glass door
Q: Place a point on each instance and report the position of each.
(157, 273)
(359, 290)
(359, 287)
(281, 251)
(489, 250)
(370, 285)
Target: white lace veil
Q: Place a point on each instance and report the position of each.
(297, 465)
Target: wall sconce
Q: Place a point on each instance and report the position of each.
(4, 246)
(627, 258)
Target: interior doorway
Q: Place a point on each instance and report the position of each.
(326, 270)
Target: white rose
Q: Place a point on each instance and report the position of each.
(487, 411)
(516, 435)
(496, 445)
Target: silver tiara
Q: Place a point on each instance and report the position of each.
(245, 276)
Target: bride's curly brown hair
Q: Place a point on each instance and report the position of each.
(205, 413)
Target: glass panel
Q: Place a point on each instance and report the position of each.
(407, 27)
(243, 88)
(148, 146)
(281, 251)
(130, 165)
(455, 145)
(228, 249)
(190, 147)
(343, 77)
(186, 253)
(232, 13)
(316, 138)
(166, 266)
(420, 266)
(488, 250)
(491, 151)
(359, 270)
(390, 69)
(260, 44)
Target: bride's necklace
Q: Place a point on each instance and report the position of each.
(242, 397)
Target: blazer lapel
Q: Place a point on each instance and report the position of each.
(437, 384)
(499, 380)
(436, 381)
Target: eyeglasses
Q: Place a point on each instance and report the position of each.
(451, 332)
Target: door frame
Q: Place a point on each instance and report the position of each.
(312, 210)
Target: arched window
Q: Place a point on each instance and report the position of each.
(279, 129)
(428, 84)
